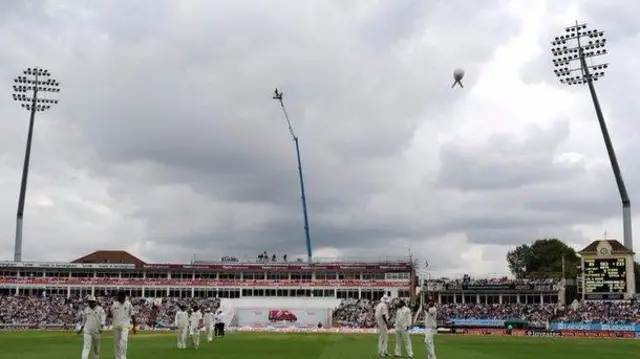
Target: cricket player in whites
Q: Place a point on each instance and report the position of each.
(181, 323)
(195, 324)
(123, 320)
(93, 320)
(208, 323)
(403, 322)
(430, 329)
(382, 322)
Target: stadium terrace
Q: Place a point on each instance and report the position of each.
(102, 272)
(271, 292)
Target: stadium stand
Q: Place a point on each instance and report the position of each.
(63, 311)
(343, 293)
(354, 313)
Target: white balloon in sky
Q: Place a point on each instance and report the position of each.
(458, 74)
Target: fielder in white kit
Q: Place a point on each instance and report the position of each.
(382, 322)
(195, 324)
(403, 322)
(208, 321)
(430, 329)
(181, 323)
(123, 320)
(93, 320)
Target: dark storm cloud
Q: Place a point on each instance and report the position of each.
(214, 127)
(232, 113)
(504, 162)
(541, 208)
(288, 237)
(523, 235)
(583, 205)
(283, 234)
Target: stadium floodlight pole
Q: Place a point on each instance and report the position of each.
(277, 95)
(576, 46)
(27, 91)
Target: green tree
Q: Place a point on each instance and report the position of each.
(543, 256)
(518, 260)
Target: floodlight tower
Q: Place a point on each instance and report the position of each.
(576, 46)
(277, 95)
(28, 89)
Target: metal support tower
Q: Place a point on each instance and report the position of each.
(576, 46)
(28, 89)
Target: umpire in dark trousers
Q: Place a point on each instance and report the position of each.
(218, 327)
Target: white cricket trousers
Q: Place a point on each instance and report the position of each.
(209, 332)
(429, 334)
(91, 346)
(383, 337)
(120, 341)
(182, 337)
(403, 336)
(195, 338)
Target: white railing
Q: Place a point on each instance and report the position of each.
(303, 260)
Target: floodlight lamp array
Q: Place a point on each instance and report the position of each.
(36, 72)
(28, 87)
(566, 71)
(589, 44)
(581, 80)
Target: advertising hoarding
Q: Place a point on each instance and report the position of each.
(284, 318)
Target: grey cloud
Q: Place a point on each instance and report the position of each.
(167, 120)
(615, 17)
(524, 234)
(504, 162)
(229, 129)
(539, 209)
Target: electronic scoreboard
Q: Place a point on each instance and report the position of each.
(605, 278)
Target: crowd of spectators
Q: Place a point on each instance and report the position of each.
(264, 257)
(602, 312)
(466, 280)
(63, 311)
(360, 313)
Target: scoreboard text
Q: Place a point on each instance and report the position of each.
(605, 278)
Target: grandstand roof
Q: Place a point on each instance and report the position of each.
(110, 257)
(616, 247)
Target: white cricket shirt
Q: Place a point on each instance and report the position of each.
(182, 319)
(219, 318)
(430, 317)
(403, 318)
(93, 319)
(208, 318)
(382, 309)
(121, 314)
(194, 320)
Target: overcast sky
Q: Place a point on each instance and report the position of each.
(166, 141)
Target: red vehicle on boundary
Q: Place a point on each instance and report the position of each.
(282, 315)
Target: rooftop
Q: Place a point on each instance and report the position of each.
(124, 257)
(110, 256)
(616, 247)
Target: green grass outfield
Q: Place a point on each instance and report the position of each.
(66, 345)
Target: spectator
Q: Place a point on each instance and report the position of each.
(359, 313)
(59, 310)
